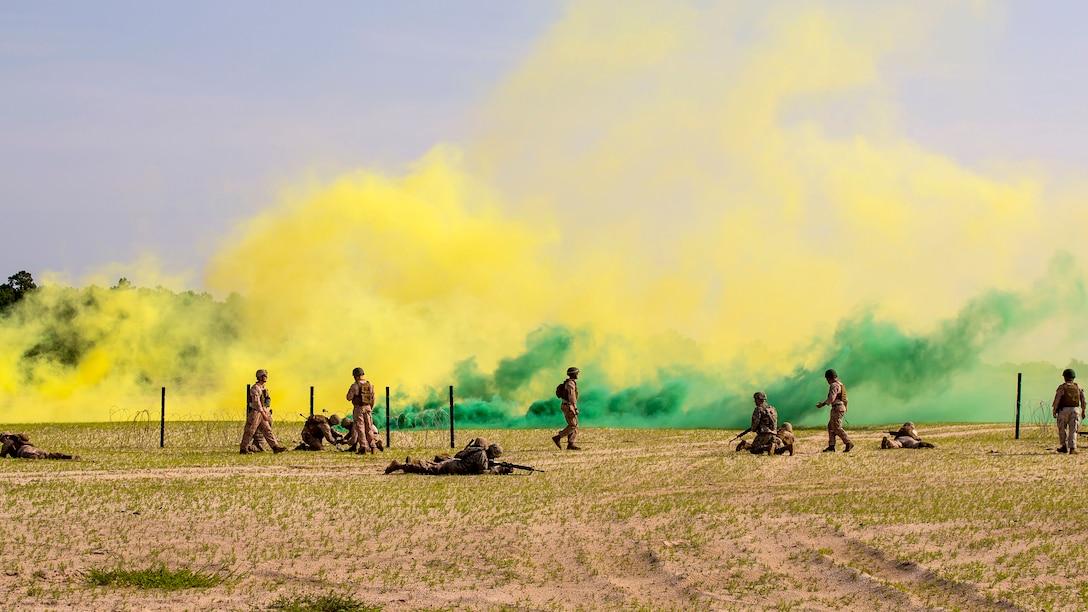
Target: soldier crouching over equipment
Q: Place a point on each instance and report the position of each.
(906, 437)
(346, 423)
(316, 431)
(18, 445)
(785, 434)
(765, 424)
(474, 459)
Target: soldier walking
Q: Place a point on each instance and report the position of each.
(258, 417)
(836, 398)
(568, 392)
(1067, 398)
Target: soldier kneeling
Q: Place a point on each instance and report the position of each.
(906, 437)
(785, 436)
(316, 432)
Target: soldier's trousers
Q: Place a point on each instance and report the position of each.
(765, 443)
(450, 466)
(33, 452)
(571, 430)
(1068, 425)
(363, 432)
(255, 422)
(834, 425)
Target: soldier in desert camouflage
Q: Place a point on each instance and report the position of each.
(1067, 398)
(361, 396)
(905, 437)
(18, 445)
(474, 459)
(785, 435)
(316, 431)
(765, 424)
(258, 416)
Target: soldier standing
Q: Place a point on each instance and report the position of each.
(361, 396)
(258, 417)
(1067, 398)
(836, 398)
(568, 392)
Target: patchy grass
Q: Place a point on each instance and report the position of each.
(154, 578)
(641, 519)
(324, 603)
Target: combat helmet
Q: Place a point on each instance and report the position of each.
(1069, 374)
(787, 426)
(572, 370)
(357, 372)
(494, 451)
(480, 442)
(334, 419)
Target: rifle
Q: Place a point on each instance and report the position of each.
(503, 464)
(749, 430)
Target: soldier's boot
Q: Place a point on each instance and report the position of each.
(572, 446)
(372, 449)
(849, 445)
(829, 449)
(556, 440)
(788, 448)
(351, 449)
(279, 449)
(394, 466)
(742, 445)
(381, 446)
(925, 445)
(885, 442)
(243, 451)
(1062, 449)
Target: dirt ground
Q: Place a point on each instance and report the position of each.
(638, 520)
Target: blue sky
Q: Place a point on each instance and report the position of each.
(149, 127)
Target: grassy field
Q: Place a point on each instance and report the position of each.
(639, 520)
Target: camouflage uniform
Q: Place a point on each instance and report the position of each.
(836, 398)
(258, 418)
(474, 459)
(18, 445)
(570, 410)
(765, 424)
(785, 435)
(361, 396)
(315, 432)
(1067, 398)
(906, 437)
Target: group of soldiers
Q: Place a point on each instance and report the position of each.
(362, 435)
(773, 439)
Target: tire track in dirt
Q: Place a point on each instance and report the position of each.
(848, 566)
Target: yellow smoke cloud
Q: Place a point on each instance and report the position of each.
(707, 187)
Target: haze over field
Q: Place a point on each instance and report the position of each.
(691, 202)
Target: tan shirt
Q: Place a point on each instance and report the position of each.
(361, 393)
(256, 393)
(834, 395)
(1060, 392)
(572, 392)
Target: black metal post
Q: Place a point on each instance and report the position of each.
(162, 421)
(311, 400)
(1019, 380)
(451, 416)
(387, 441)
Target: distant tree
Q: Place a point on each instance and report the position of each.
(122, 283)
(18, 285)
